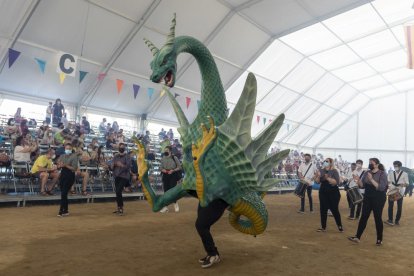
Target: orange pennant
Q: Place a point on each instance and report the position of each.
(119, 84)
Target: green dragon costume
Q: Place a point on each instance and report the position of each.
(220, 158)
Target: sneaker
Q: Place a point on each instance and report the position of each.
(379, 242)
(351, 218)
(210, 260)
(164, 210)
(321, 230)
(119, 212)
(397, 223)
(63, 214)
(301, 212)
(202, 260)
(389, 222)
(330, 213)
(354, 239)
(341, 229)
(176, 207)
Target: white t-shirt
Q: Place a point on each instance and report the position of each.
(21, 156)
(352, 183)
(311, 172)
(403, 180)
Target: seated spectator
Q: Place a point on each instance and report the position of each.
(60, 136)
(102, 126)
(111, 142)
(161, 134)
(23, 150)
(86, 127)
(146, 139)
(24, 129)
(12, 130)
(120, 136)
(165, 142)
(48, 138)
(82, 171)
(44, 169)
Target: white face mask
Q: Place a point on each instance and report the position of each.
(359, 166)
(53, 156)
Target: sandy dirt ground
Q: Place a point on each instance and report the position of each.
(93, 241)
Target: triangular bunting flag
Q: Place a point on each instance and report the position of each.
(42, 64)
(150, 92)
(187, 101)
(13, 55)
(258, 118)
(176, 95)
(62, 77)
(101, 76)
(82, 75)
(119, 84)
(198, 104)
(264, 121)
(136, 89)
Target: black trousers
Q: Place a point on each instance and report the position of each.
(120, 183)
(391, 210)
(168, 181)
(329, 199)
(374, 203)
(302, 200)
(67, 177)
(409, 190)
(206, 217)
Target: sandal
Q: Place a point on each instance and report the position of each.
(72, 192)
(85, 193)
(50, 193)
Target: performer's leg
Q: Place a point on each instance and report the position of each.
(334, 198)
(378, 206)
(366, 212)
(399, 210)
(309, 190)
(206, 217)
(324, 205)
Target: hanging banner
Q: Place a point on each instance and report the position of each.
(13, 55)
(135, 87)
(150, 92)
(409, 33)
(119, 85)
(42, 64)
(258, 118)
(187, 101)
(82, 75)
(67, 64)
(62, 77)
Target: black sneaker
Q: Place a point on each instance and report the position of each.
(210, 260)
(397, 223)
(202, 260)
(119, 212)
(379, 242)
(341, 229)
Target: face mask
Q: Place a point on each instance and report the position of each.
(371, 167)
(90, 150)
(325, 164)
(68, 151)
(396, 169)
(53, 156)
(307, 160)
(121, 150)
(358, 166)
(166, 153)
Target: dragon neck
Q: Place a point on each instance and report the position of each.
(213, 99)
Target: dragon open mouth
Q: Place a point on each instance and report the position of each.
(169, 79)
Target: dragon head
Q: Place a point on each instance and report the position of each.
(164, 65)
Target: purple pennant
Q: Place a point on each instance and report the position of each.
(13, 55)
(136, 89)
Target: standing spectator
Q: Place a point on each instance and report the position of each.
(58, 110)
(85, 125)
(49, 113)
(18, 115)
(111, 142)
(102, 126)
(64, 120)
(146, 139)
(170, 165)
(170, 134)
(161, 134)
(69, 164)
(115, 126)
(121, 167)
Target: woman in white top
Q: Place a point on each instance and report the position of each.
(398, 180)
(22, 151)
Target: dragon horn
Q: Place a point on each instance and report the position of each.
(154, 50)
(171, 35)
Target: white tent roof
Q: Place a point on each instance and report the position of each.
(321, 62)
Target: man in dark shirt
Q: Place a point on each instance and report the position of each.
(121, 167)
(85, 125)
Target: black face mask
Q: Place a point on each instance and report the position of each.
(371, 167)
(121, 150)
(166, 153)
